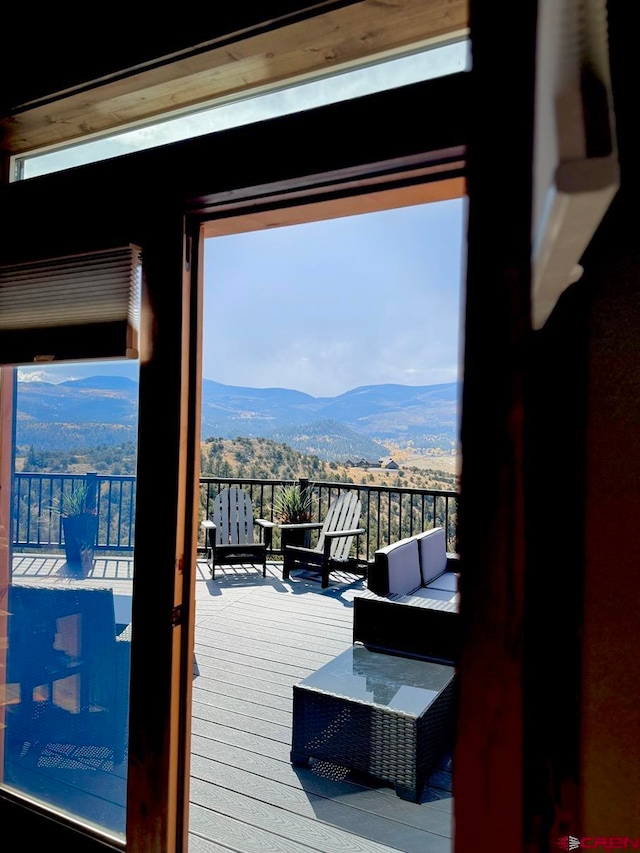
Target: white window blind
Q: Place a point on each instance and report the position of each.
(70, 308)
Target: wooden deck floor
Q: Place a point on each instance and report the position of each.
(255, 638)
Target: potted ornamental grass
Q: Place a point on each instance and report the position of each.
(77, 508)
(292, 506)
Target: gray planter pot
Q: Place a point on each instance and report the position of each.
(80, 534)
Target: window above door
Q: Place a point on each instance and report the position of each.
(322, 38)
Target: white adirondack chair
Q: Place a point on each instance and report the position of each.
(230, 531)
(333, 549)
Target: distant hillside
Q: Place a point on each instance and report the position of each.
(262, 458)
(102, 410)
(252, 458)
(330, 440)
(423, 416)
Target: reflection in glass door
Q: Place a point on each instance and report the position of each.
(65, 609)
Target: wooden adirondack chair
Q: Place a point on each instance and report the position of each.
(333, 549)
(230, 532)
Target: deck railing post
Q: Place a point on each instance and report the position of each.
(92, 490)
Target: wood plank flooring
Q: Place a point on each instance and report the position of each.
(255, 639)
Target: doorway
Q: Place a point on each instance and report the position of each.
(288, 294)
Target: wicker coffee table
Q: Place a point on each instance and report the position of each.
(381, 714)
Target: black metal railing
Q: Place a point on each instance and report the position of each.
(389, 513)
(37, 500)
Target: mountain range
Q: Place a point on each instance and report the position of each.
(358, 423)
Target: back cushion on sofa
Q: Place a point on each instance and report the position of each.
(433, 553)
(399, 565)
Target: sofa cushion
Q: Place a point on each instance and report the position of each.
(431, 594)
(448, 581)
(400, 564)
(433, 553)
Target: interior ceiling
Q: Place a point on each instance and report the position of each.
(60, 83)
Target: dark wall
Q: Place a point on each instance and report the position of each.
(583, 753)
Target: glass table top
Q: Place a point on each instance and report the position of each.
(402, 684)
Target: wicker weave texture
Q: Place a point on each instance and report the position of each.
(393, 746)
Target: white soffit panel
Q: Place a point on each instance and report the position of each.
(576, 171)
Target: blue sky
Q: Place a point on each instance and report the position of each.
(324, 307)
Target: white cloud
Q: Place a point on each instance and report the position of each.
(38, 374)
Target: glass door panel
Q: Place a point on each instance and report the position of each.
(65, 607)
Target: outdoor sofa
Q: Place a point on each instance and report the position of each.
(411, 602)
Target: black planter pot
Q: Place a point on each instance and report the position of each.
(296, 537)
(79, 540)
